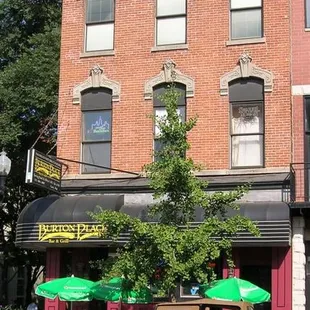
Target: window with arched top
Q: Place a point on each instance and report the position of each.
(246, 97)
(96, 107)
(160, 109)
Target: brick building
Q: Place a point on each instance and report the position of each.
(233, 70)
(301, 156)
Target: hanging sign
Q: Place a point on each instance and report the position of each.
(43, 171)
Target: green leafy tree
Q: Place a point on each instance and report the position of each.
(29, 74)
(176, 248)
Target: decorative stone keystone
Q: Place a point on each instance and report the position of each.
(246, 69)
(96, 79)
(169, 74)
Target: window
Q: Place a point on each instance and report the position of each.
(99, 25)
(307, 13)
(171, 22)
(160, 110)
(96, 130)
(247, 123)
(307, 147)
(259, 275)
(246, 19)
(189, 290)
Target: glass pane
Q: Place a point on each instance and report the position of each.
(246, 24)
(241, 4)
(171, 31)
(100, 10)
(247, 118)
(99, 37)
(307, 13)
(160, 89)
(307, 115)
(171, 7)
(161, 114)
(158, 146)
(97, 126)
(247, 151)
(190, 290)
(98, 154)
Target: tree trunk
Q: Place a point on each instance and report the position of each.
(29, 284)
(4, 283)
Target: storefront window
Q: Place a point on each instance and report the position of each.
(261, 276)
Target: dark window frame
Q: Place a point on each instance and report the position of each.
(259, 133)
(173, 16)
(106, 22)
(85, 142)
(306, 102)
(261, 8)
(161, 105)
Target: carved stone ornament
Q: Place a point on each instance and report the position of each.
(96, 79)
(169, 74)
(246, 69)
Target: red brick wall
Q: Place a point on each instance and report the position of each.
(300, 45)
(300, 74)
(206, 60)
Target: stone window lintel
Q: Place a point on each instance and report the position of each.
(96, 79)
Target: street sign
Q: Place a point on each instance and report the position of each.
(43, 171)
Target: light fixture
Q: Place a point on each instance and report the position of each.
(5, 168)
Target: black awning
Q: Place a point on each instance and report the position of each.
(256, 211)
(272, 219)
(53, 220)
(69, 209)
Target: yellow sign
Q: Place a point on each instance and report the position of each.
(64, 233)
(46, 169)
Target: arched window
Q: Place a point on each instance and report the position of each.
(160, 109)
(246, 97)
(96, 106)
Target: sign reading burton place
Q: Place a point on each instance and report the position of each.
(43, 171)
(64, 233)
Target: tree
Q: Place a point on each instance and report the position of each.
(21, 19)
(29, 74)
(173, 251)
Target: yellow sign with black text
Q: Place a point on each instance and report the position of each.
(43, 171)
(64, 233)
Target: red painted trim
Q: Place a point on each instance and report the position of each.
(281, 294)
(236, 258)
(53, 272)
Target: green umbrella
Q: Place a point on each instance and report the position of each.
(235, 289)
(67, 289)
(115, 290)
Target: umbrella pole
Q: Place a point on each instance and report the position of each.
(120, 303)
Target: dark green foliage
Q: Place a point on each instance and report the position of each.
(29, 74)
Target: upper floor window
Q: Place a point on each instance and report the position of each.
(160, 110)
(246, 19)
(99, 25)
(307, 13)
(246, 98)
(96, 130)
(171, 22)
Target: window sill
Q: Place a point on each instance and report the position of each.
(97, 54)
(169, 47)
(246, 41)
(307, 29)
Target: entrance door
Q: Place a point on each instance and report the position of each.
(259, 275)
